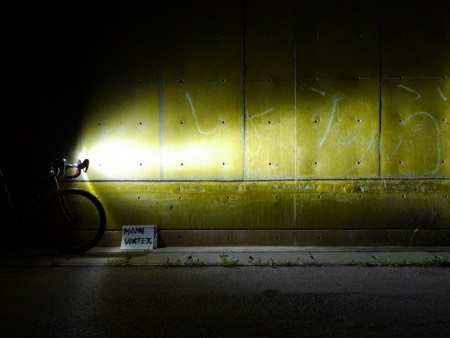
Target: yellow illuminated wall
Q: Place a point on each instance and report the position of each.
(273, 122)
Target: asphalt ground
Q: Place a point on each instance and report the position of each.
(218, 301)
(226, 292)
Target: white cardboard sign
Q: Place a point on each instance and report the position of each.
(140, 237)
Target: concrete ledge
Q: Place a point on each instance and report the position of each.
(234, 256)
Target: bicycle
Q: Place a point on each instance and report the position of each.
(71, 220)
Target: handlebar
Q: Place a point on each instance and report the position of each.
(59, 166)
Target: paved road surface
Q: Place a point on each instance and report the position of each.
(158, 301)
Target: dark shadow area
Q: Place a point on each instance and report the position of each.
(43, 75)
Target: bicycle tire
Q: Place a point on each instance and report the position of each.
(86, 229)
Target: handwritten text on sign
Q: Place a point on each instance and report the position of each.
(138, 237)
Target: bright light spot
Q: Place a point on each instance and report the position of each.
(119, 159)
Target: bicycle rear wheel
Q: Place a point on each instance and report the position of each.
(83, 229)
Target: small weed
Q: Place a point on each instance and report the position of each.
(226, 261)
(147, 252)
(437, 261)
(170, 263)
(119, 261)
(285, 262)
(193, 261)
(411, 239)
(271, 262)
(254, 261)
(395, 264)
(359, 263)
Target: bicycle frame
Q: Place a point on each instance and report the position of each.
(24, 200)
(73, 220)
(62, 201)
(51, 186)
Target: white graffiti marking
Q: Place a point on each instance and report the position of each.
(330, 121)
(196, 119)
(321, 92)
(346, 143)
(441, 93)
(268, 139)
(369, 145)
(263, 138)
(438, 161)
(418, 96)
(398, 145)
(260, 114)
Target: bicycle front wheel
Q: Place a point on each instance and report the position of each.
(75, 220)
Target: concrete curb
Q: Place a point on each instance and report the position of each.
(234, 256)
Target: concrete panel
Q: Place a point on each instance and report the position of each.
(315, 238)
(269, 48)
(415, 43)
(202, 41)
(125, 43)
(372, 205)
(415, 128)
(203, 131)
(270, 130)
(328, 207)
(266, 123)
(337, 129)
(337, 39)
(120, 132)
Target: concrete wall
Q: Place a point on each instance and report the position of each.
(271, 122)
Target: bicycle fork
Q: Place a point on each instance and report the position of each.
(63, 202)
